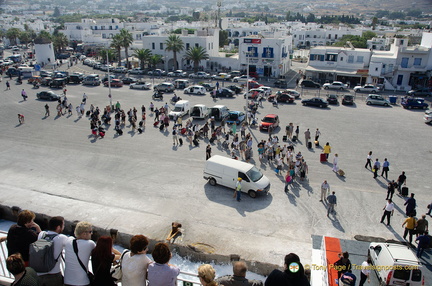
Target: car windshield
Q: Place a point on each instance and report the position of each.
(254, 174)
(178, 108)
(269, 119)
(348, 97)
(233, 116)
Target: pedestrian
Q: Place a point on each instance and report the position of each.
(390, 190)
(237, 193)
(297, 131)
(388, 211)
(423, 243)
(422, 226)
(327, 150)
(84, 99)
(325, 190)
(410, 223)
(208, 151)
(369, 160)
(70, 109)
(20, 118)
(376, 167)
(307, 136)
(335, 163)
(347, 279)
(343, 264)
(401, 181)
(47, 111)
(7, 85)
(288, 180)
(332, 202)
(24, 95)
(64, 91)
(233, 128)
(429, 206)
(365, 271)
(317, 134)
(410, 205)
(385, 169)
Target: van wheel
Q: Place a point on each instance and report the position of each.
(212, 182)
(383, 283)
(252, 194)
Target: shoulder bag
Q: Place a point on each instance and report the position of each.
(90, 275)
(116, 271)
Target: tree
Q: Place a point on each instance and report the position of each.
(24, 37)
(223, 38)
(174, 44)
(56, 12)
(12, 34)
(196, 55)
(43, 37)
(368, 35)
(126, 40)
(374, 22)
(60, 42)
(103, 54)
(143, 56)
(154, 60)
(117, 45)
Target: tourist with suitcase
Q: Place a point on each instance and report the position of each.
(401, 181)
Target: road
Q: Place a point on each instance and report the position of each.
(140, 183)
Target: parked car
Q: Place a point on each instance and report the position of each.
(200, 74)
(316, 101)
(48, 95)
(129, 80)
(165, 87)
(136, 71)
(195, 89)
(420, 92)
(237, 116)
(369, 88)
(377, 100)
(243, 78)
(280, 83)
(348, 99)
(46, 81)
(208, 87)
(34, 79)
(92, 79)
(76, 78)
(114, 83)
(57, 83)
(224, 92)
(253, 84)
(157, 72)
(410, 103)
(254, 93)
(269, 121)
(335, 85)
(140, 85)
(332, 99)
(221, 76)
(428, 117)
(309, 83)
(235, 88)
(120, 70)
(267, 90)
(293, 92)
(282, 97)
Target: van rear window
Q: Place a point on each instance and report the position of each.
(402, 274)
(416, 275)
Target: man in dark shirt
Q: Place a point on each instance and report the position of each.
(423, 243)
(410, 205)
(401, 181)
(22, 234)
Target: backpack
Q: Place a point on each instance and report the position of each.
(41, 257)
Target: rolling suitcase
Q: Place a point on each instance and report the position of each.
(323, 157)
(183, 131)
(212, 140)
(120, 132)
(309, 145)
(341, 173)
(161, 127)
(285, 138)
(155, 124)
(181, 141)
(195, 142)
(404, 191)
(294, 139)
(316, 143)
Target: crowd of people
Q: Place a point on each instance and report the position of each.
(77, 252)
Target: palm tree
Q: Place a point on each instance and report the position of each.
(154, 60)
(103, 54)
(117, 45)
(196, 55)
(174, 44)
(12, 34)
(126, 40)
(143, 56)
(43, 37)
(60, 41)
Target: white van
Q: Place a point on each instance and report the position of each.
(396, 264)
(195, 89)
(220, 170)
(181, 108)
(219, 112)
(199, 111)
(92, 79)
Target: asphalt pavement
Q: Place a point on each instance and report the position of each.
(140, 183)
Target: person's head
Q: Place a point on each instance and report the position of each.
(103, 249)
(327, 143)
(376, 159)
(239, 268)
(385, 159)
(25, 218)
(411, 215)
(403, 173)
(239, 179)
(336, 155)
(161, 253)
(412, 195)
(325, 181)
(138, 243)
(345, 254)
(15, 264)
(83, 230)
(333, 193)
(423, 216)
(389, 201)
(293, 267)
(207, 274)
(56, 224)
(370, 152)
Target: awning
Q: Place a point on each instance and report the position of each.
(345, 72)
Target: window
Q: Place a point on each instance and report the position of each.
(314, 36)
(268, 53)
(316, 57)
(331, 57)
(417, 61)
(187, 46)
(360, 59)
(335, 36)
(350, 59)
(161, 46)
(153, 46)
(196, 45)
(404, 62)
(399, 79)
(341, 59)
(103, 36)
(329, 36)
(102, 27)
(252, 52)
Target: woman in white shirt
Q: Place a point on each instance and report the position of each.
(135, 262)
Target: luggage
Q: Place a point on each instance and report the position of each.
(285, 138)
(140, 130)
(294, 139)
(88, 113)
(161, 127)
(120, 132)
(212, 140)
(341, 173)
(155, 124)
(195, 142)
(183, 131)
(309, 145)
(323, 157)
(404, 191)
(316, 143)
(181, 141)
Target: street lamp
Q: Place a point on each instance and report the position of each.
(109, 82)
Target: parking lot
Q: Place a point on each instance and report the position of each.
(140, 183)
